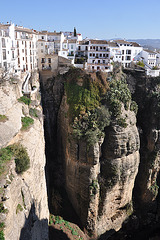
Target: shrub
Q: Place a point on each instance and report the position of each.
(19, 208)
(122, 122)
(3, 118)
(26, 122)
(21, 158)
(25, 100)
(117, 94)
(141, 64)
(34, 112)
(134, 107)
(2, 235)
(5, 156)
(2, 209)
(90, 126)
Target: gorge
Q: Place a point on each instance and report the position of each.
(102, 156)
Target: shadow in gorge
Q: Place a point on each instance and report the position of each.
(34, 228)
(52, 91)
(55, 234)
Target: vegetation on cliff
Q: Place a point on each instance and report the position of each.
(93, 102)
(19, 153)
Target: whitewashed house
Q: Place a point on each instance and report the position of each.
(26, 40)
(98, 55)
(8, 52)
(129, 52)
(149, 58)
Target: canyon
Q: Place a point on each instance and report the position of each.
(94, 156)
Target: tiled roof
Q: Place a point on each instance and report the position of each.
(27, 30)
(121, 41)
(149, 51)
(98, 41)
(134, 44)
(112, 44)
(54, 33)
(4, 26)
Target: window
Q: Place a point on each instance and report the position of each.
(107, 55)
(4, 54)
(71, 46)
(23, 58)
(93, 67)
(100, 55)
(43, 60)
(128, 52)
(3, 43)
(90, 54)
(79, 48)
(128, 57)
(22, 50)
(41, 44)
(86, 48)
(42, 37)
(93, 54)
(122, 51)
(13, 54)
(41, 50)
(91, 47)
(49, 60)
(99, 61)
(103, 61)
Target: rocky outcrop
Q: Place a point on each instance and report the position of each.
(119, 166)
(23, 196)
(99, 179)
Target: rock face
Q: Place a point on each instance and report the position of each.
(23, 195)
(146, 94)
(119, 166)
(100, 179)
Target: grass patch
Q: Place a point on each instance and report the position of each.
(21, 158)
(2, 209)
(3, 118)
(26, 122)
(5, 156)
(19, 208)
(33, 112)
(25, 100)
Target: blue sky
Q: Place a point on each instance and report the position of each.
(103, 19)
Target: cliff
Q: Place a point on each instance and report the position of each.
(24, 208)
(100, 167)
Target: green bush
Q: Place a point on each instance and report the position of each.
(33, 112)
(141, 64)
(19, 208)
(21, 158)
(5, 156)
(25, 100)
(117, 94)
(3, 118)
(2, 235)
(2, 209)
(134, 107)
(90, 126)
(122, 122)
(26, 122)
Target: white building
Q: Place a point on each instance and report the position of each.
(98, 55)
(26, 40)
(149, 58)
(7, 47)
(129, 52)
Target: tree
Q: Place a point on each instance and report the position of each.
(75, 33)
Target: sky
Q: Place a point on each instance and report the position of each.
(102, 19)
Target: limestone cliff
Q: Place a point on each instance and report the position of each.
(99, 177)
(24, 207)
